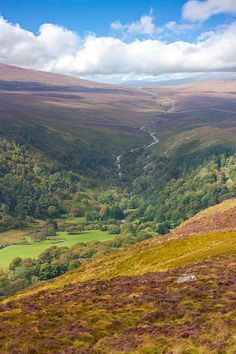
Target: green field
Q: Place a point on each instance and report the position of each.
(32, 250)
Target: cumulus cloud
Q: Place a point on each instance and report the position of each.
(57, 49)
(196, 10)
(144, 26)
(21, 47)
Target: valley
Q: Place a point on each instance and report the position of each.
(153, 138)
(118, 177)
(110, 198)
(67, 142)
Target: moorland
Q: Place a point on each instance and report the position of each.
(109, 197)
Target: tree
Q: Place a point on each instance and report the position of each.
(116, 213)
(114, 229)
(52, 211)
(15, 263)
(104, 212)
(163, 228)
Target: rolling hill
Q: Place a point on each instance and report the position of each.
(65, 106)
(71, 101)
(172, 293)
(161, 146)
(137, 161)
(104, 134)
(63, 114)
(71, 119)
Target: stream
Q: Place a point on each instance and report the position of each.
(154, 141)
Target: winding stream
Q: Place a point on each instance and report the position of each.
(154, 141)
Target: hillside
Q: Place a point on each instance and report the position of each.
(118, 177)
(18, 74)
(149, 307)
(136, 162)
(167, 252)
(220, 217)
(71, 120)
(64, 129)
(71, 101)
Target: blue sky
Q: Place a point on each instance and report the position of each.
(97, 15)
(85, 15)
(109, 30)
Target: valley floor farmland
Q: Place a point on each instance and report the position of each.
(32, 250)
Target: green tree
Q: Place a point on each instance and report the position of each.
(15, 263)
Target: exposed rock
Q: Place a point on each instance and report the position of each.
(186, 277)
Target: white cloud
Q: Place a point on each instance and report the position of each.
(175, 27)
(21, 47)
(57, 49)
(144, 26)
(196, 10)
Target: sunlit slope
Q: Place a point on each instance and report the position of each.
(217, 237)
(155, 257)
(150, 313)
(135, 301)
(220, 217)
(161, 253)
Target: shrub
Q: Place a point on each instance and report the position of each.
(114, 229)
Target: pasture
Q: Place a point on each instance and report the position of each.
(33, 249)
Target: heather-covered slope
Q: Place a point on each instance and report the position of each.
(135, 301)
(150, 313)
(217, 237)
(220, 217)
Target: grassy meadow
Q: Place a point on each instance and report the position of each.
(33, 249)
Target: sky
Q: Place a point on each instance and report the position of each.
(120, 41)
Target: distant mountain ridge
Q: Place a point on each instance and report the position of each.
(11, 72)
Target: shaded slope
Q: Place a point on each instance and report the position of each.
(53, 97)
(19, 74)
(74, 122)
